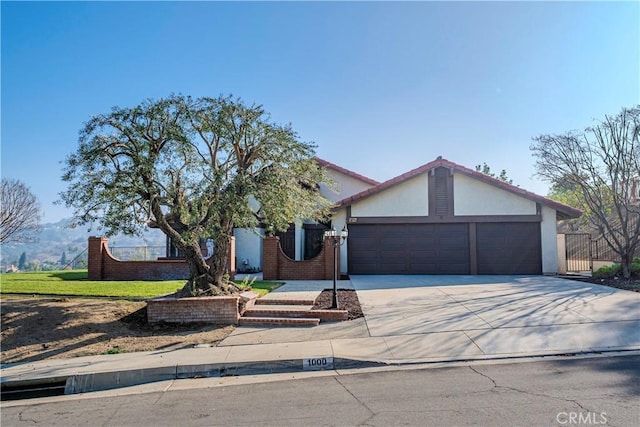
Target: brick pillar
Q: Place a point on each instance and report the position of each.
(270, 248)
(328, 259)
(97, 247)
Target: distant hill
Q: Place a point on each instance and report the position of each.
(57, 238)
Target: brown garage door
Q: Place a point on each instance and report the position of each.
(509, 248)
(408, 249)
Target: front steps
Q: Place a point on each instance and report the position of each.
(288, 312)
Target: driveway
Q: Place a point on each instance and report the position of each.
(427, 318)
(500, 314)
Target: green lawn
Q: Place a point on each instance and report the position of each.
(75, 283)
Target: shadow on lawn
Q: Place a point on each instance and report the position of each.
(70, 275)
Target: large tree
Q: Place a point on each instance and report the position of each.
(196, 168)
(597, 168)
(19, 213)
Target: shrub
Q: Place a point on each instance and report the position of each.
(615, 270)
(608, 271)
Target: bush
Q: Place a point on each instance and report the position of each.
(615, 270)
(608, 271)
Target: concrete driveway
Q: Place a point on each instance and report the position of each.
(409, 319)
(498, 314)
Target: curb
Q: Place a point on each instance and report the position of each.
(100, 381)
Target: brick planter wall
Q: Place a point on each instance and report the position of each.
(277, 266)
(219, 310)
(224, 310)
(103, 266)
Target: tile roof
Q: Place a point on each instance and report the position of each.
(563, 211)
(347, 172)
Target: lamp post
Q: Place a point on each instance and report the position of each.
(337, 240)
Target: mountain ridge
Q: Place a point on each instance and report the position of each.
(57, 238)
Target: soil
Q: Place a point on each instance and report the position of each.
(347, 300)
(632, 284)
(43, 328)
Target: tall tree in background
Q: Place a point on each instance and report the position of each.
(19, 213)
(597, 168)
(22, 262)
(485, 169)
(191, 167)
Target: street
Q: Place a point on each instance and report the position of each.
(562, 392)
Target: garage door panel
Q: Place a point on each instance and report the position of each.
(509, 248)
(409, 249)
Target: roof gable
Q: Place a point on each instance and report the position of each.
(347, 172)
(563, 211)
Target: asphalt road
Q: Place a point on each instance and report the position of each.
(602, 391)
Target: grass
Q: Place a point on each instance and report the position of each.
(263, 288)
(75, 283)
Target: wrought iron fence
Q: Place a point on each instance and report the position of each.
(578, 252)
(79, 262)
(137, 253)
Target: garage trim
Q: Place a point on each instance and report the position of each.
(435, 220)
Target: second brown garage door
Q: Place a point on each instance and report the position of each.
(509, 248)
(408, 249)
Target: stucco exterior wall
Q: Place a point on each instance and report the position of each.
(410, 198)
(473, 197)
(249, 247)
(343, 186)
(549, 241)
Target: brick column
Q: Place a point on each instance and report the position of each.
(97, 246)
(270, 248)
(328, 259)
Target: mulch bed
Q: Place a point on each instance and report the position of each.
(347, 300)
(632, 284)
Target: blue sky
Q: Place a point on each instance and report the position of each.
(381, 88)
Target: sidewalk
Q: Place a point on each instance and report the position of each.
(343, 345)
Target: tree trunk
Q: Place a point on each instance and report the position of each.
(200, 278)
(627, 260)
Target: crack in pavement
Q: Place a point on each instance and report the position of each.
(115, 411)
(530, 393)
(373, 413)
(26, 419)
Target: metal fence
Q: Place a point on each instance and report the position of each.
(138, 253)
(581, 250)
(578, 252)
(78, 262)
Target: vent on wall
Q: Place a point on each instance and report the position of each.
(441, 189)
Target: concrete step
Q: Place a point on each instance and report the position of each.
(291, 311)
(279, 311)
(284, 301)
(278, 321)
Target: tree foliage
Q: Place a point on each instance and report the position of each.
(486, 169)
(22, 262)
(195, 168)
(20, 213)
(594, 169)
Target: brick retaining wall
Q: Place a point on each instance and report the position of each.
(223, 310)
(220, 310)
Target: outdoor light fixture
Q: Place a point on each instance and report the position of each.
(338, 240)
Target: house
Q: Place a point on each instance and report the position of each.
(303, 240)
(444, 218)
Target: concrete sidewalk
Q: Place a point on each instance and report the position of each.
(432, 326)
